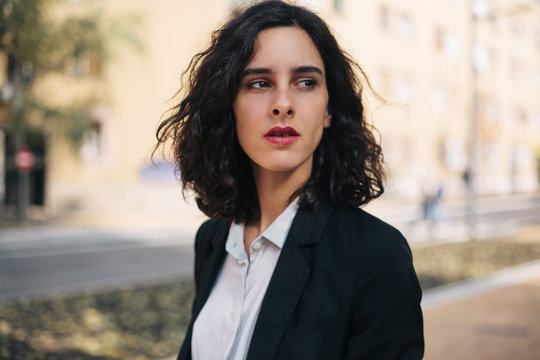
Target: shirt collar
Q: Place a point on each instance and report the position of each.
(276, 233)
(278, 230)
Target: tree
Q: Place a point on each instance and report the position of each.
(33, 44)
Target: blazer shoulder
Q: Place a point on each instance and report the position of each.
(367, 233)
(360, 220)
(209, 227)
(206, 233)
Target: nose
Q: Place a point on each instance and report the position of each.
(282, 106)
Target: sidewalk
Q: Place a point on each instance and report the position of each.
(169, 219)
(405, 216)
(497, 317)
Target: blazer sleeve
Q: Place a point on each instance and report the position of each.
(387, 318)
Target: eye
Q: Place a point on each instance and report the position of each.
(259, 84)
(308, 83)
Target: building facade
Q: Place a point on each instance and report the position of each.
(454, 76)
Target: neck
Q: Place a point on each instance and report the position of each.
(274, 190)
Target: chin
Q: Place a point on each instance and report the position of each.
(285, 164)
(279, 168)
(283, 167)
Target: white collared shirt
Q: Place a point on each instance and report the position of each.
(224, 327)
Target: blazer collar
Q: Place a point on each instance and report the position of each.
(287, 282)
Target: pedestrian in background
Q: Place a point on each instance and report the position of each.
(432, 192)
(272, 137)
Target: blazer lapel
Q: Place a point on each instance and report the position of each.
(211, 265)
(287, 283)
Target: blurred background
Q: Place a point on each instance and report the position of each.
(84, 84)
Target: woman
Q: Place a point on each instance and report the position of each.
(272, 137)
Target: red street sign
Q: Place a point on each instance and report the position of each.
(24, 159)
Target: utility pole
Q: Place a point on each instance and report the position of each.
(471, 175)
(2, 172)
(20, 141)
(16, 77)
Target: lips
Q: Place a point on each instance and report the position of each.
(281, 136)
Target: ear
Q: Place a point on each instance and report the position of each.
(327, 121)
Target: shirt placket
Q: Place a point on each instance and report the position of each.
(242, 267)
(245, 269)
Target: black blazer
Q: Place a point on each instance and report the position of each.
(344, 287)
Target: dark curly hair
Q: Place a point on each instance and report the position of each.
(347, 164)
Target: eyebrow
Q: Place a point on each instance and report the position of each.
(300, 69)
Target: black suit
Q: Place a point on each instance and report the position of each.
(343, 288)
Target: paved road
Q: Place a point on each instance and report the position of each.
(44, 259)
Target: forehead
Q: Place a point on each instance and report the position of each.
(285, 46)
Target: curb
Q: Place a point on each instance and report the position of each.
(455, 292)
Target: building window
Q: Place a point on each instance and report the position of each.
(480, 9)
(92, 148)
(97, 137)
(438, 39)
(520, 116)
(483, 57)
(384, 18)
(403, 90)
(405, 27)
(338, 6)
(452, 45)
(455, 154)
(491, 155)
(488, 109)
(521, 158)
(448, 42)
(440, 97)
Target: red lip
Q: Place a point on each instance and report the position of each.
(279, 131)
(281, 136)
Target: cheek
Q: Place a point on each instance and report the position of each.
(244, 132)
(243, 111)
(241, 133)
(249, 117)
(238, 114)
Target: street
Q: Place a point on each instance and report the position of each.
(71, 272)
(44, 260)
(47, 261)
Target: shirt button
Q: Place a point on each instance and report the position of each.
(257, 246)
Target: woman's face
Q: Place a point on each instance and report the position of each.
(282, 106)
